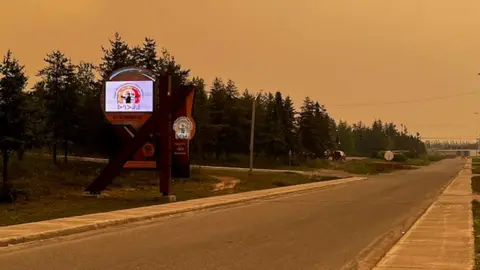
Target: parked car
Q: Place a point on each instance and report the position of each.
(337, 155)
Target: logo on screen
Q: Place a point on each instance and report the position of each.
(128, 97)
(183, 128)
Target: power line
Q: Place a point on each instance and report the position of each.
(404, 101)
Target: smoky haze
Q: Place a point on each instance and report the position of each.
(338, 52)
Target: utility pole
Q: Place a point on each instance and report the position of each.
(478, 138)
(252, 134)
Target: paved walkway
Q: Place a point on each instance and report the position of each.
(443, 237)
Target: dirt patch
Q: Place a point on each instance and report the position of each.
(226, 182)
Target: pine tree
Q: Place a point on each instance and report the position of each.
(377, 138)
(323, 141)
(307, 128)
(244, 104)
(332, 128)
(232, 112)
(167, 65)
(218, 117)
(90, 111)
(289, 125)
(12, 107)
(391, 132)
(360, 131)
(201, 115)
(60, 94)
(262, 124)
(270, 125)
(346, 138)
(119, 55)
(275, 116)
(146, 56)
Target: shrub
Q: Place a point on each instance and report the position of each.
(400, 158)
(475, 184)
(378, 154)
(435, 157)
(411, 154)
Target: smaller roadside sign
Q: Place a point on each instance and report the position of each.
(388, 155)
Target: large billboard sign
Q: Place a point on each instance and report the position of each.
(128, 101)
(154, 122)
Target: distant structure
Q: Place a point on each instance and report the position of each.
(455, 152)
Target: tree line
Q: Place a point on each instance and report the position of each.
(62, 112)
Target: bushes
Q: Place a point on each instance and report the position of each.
(411, 154)
(378, 154)
(436, 157)
(400, 157)
(475, 184)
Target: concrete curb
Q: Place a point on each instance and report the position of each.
(23, 233)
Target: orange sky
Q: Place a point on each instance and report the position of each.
(336, 51)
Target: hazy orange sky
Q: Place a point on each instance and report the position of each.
(336, 51)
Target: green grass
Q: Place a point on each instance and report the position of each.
(364, 166)
(418, 162)
(370, 166)
(55, 192)
(476, 230)
(476, 184)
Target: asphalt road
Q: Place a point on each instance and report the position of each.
(325, 229)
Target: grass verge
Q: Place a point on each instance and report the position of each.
(55, 192)
(476, 184)
(358, 166)
(370, 166)
(476, 230)
(366, 166)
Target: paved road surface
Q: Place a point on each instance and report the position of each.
(325, 229)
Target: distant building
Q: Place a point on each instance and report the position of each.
(454, 152)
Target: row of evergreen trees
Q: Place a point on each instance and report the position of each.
(63, 110)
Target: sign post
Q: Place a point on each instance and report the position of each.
(389, 155)
(140, 107)
(164, 160)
